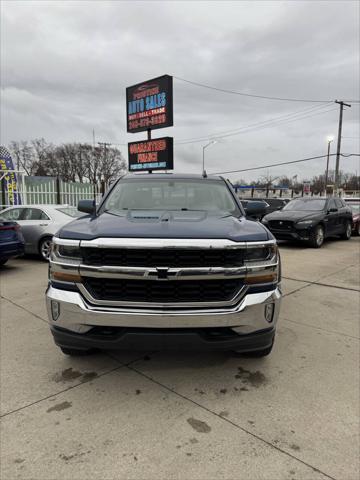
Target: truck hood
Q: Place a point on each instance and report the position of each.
(165, 224)
(292, 215)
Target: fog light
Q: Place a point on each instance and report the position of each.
(55, 310)
(269, 312)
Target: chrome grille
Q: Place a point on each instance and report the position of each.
(154, 291)
(175, 258)
(285, 225)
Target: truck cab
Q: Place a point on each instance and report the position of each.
(165, 260)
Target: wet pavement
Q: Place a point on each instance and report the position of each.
(181, 415)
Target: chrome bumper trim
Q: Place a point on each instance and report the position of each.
(114, 303)
(66, 242)
(160, 243)
(193, 273)
(78, 316)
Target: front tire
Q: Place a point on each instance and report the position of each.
(45, 248)
(317, 237)
(347, 233)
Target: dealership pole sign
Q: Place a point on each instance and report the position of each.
(149, 106)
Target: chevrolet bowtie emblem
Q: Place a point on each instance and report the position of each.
(162, 273)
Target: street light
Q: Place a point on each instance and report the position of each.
(329, 140)
(203, 163)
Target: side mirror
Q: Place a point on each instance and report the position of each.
(332, 210)
(87, 206)
(255, 209)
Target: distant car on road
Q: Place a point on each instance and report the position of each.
(39, 223)
(311, 220)
(11, 240)
(354, 204)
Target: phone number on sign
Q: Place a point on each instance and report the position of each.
(147, 122)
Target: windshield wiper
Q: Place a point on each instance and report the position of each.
(184, 209)
(107, 210)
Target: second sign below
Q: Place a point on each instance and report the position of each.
(156, 154)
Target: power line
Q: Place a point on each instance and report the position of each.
(291, 120)
(286, 163)
(255, 126)
(218, 134)
(281, 120)
(266, 97)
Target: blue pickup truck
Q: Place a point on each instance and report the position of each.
(165, 260)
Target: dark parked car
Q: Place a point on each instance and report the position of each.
(354, 204)
(11, 240)
(311, 220)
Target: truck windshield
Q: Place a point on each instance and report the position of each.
(174, 194)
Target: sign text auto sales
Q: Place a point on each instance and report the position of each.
(154, 154)
(149, 105)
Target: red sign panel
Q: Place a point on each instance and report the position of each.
(307, 187)
(157, 154)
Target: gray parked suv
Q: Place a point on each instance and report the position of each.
(165, 260)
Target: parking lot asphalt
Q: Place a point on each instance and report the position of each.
(181, 415)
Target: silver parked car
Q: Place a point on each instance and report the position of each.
(39, 223)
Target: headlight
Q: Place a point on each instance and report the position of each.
(65, 248)
(261, 253)
(68, 251)
(305, 222)
(264, 221)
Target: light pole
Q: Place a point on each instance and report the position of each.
(203, 163)
(329, 140)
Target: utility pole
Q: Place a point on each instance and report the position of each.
(336, 186)
(212, 142)
(104, 145)
(329, 140)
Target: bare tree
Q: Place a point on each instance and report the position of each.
(285, 181)
(70, 161)
(23, 154)
(112, 164)
(267, 180)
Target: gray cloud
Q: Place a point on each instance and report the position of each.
(65, 66)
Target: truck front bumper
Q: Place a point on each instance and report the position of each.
(249, 325)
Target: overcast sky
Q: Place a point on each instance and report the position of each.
(65, 67)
